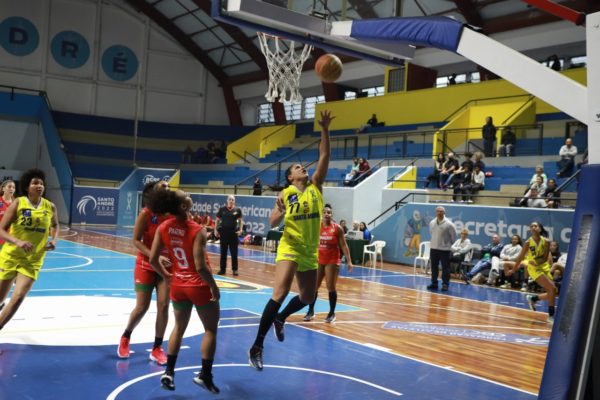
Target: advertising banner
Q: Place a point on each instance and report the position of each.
(95, 205)
(409, 226)
(256, 210)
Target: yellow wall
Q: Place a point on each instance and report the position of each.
(427, 105)
(261, 140)
(407, 180)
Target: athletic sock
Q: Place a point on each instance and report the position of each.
(171, 360)
(551, 311)
(266, 320)
(294, 305)
(157, 342)
(206, 367)
(332, 301)
(311, 306)
(127, 334)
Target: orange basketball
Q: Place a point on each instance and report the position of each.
(328, 67)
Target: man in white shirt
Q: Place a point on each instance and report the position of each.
(534, 200)
(567, 155)
(443, 235)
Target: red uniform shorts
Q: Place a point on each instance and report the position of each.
(186, 296)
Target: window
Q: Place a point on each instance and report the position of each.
(577, 62)
(310, 104)
(293, 111)
(265, 114)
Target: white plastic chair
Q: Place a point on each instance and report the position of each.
(423, 258)
(373, 250)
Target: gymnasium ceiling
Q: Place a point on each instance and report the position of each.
(232, 55)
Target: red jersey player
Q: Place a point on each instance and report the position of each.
(146, 279)
(332, 241)
(7, 196)
(191, 282)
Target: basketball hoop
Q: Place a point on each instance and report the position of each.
(285, 67)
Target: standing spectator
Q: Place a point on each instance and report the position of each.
(493, 249)
(488, 132)
(257, 187)
(437, 168)
(229, 227)
(443, 234)
(452, 80)
(567, 159)
(508, 142)
(366, 233)
(450, 166)
(187, 156)
(476, 184)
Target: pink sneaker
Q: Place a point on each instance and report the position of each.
(158, 356)
(123, 350)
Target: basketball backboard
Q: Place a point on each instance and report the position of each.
(316, 22)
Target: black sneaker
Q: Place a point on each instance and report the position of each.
(167, 381)
(206, 381)
(221, 272)
(278, 329)
(432, 287)
(444, 288)
(235, 273)
(330, 318)
(255, 356)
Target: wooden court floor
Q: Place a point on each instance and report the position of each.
(469, 329)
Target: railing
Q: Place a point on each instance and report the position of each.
(247, 153)
(487, 99)
(242, 157)
(565, 202)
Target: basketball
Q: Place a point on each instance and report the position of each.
(328, 67)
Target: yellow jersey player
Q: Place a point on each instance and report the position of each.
(300, 207)
(32, 219)
(534, 256)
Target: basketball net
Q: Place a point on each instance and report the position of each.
(285, 67)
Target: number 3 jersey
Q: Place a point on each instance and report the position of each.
(303, 211)
(178, 237)
(32, 225)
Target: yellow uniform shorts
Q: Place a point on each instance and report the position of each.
(535, 271)
(305, 258)
(10, 266)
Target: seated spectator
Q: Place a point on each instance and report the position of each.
(372, 122)
(491, 250)
(476, 184)
(539, 171)
(364, 170)
(355, 232)
(479, 161)
(437, 168)
(460, 248)
(558, 268)
(221, 151)
(460, 180)
(366, 233)
(505, 262)
(211, 155)
(200, 156)
(257, 187)
(508, 142)
(188, 155)
(353, 172)
(344, 226)
(467, 163)
(534, 200)
(566, 163)
(450, 166)
(551, 194)
(539, 187)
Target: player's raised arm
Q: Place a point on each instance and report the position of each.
(324, 150)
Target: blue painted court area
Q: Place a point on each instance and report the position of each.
(62, 345)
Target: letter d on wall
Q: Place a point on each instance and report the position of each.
(18, 36)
